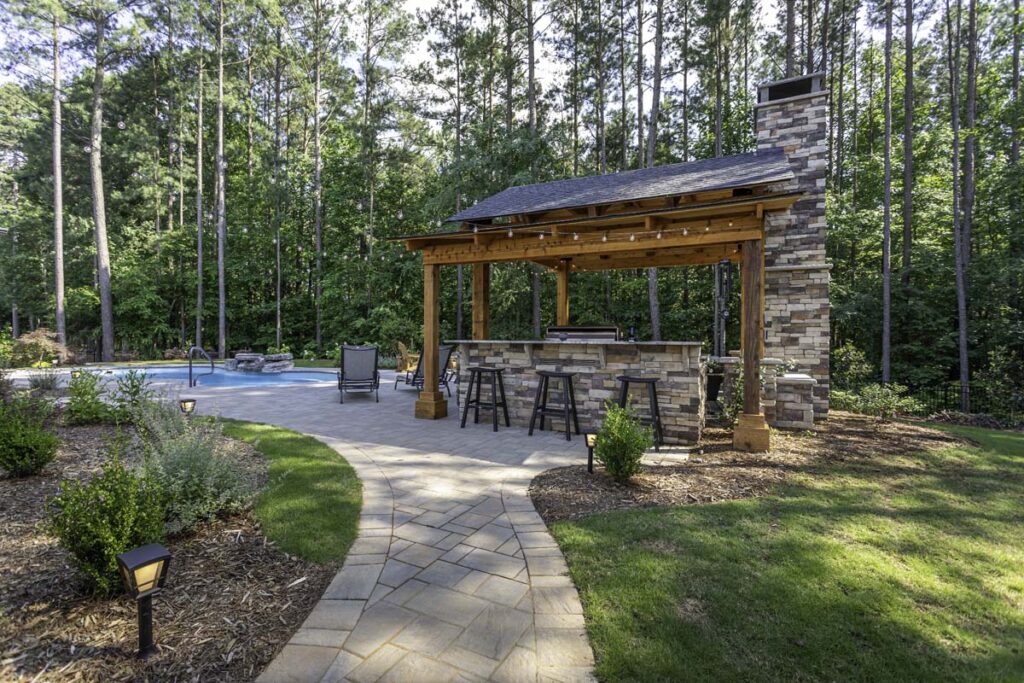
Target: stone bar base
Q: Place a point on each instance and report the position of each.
(787, 400)
(677, 365)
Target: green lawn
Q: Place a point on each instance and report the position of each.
(311, 504)
(909, 568)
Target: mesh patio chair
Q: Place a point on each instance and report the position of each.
(414, 378)
(359, 370)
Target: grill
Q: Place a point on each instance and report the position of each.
(594, 332)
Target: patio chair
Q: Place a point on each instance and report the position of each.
(359, 371)
(406, 359)
(414, 378)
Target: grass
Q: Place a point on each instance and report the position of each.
(311, 504)
(908, 568)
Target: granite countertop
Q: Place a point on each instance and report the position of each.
(597, 342)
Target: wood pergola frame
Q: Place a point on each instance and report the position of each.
(680, 230)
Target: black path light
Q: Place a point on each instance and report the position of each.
(144, 571)
(187, 405)
(591, 442)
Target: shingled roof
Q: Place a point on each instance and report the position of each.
(721, 173)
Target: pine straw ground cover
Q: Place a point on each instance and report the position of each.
(715, 472)
(232, 600)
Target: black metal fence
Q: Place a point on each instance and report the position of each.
(984, 398)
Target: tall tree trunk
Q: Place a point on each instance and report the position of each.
(624, 163)
(970, 139)
(602, 139)
(719, 68)
(953, 38)
(1017, 230)
(639, 83)
(58, 194)
(317, 166)
(809, 34)
(531, 76)
(199, 201)
(790, 38)
(837, 170)
(222, 225)
(276, 181)
(887, 202)
(686, 74)
(908, 137)
(652, 273)
(99, 209)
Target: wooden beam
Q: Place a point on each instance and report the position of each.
(666, 258)
(562, 306)
(699, 233)
(481, 301)
(734, 207)
(751, 431)
(431, 403)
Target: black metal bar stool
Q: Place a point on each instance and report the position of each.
(565, 412)
(654, 420)
(474, 402)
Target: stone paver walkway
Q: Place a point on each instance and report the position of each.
(454, 576)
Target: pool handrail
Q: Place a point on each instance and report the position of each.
(191, 353)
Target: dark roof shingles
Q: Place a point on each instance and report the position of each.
(718, 173)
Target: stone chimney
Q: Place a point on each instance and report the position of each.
(792, 114)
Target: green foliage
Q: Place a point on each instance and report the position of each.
(6, 348)
(44, 379)
(883, 401)
(850, 368)
(621, 443)
(198, 482)
(85, 405)
(96, 521)
(38, 349)
(131, 395)
(26, 445)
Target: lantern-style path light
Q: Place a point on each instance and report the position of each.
(187, 405)
(144, 571)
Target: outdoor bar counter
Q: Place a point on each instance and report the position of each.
(677, 366)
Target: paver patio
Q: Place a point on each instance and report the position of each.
(454, 576)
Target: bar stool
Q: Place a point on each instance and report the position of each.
(474, 402)
(568, 409)
(652, 397)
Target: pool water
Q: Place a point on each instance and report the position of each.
(225, 378)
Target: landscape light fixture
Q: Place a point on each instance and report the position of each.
(75, 374)
(187, 405)
(591, 442)
(144, 571)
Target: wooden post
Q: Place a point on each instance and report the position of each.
(751, 431)
(562, 307)
(431, 403)
(481, 300)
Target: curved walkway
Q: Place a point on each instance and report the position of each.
(454, 576)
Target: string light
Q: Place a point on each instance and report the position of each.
(576, 236)
(510, 233)
(604, 238)
(685, 232)
(542, 235)
(730, 224)
(659, 234)
(632, 238)
(475, 229)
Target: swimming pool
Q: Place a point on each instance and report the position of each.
(222, 377)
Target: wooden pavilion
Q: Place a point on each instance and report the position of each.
(677, 215)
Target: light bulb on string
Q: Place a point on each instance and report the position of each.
(659, 234)
(542, 235)
(685, 232)
(632, 237)
(510, 233)
(604, 237)
(576, 236)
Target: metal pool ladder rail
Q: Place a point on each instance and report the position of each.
(192, 381)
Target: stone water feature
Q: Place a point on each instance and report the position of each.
(259, 362)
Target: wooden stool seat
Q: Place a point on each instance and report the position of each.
(567, 410)
(654, 419)
(474, 402)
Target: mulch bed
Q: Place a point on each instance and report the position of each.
(716, 472)
(232, 599)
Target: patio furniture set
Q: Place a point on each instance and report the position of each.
(359, 372)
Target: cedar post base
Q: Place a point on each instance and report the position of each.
(751, 434)
(431, 405)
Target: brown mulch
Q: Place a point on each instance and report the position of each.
(232, 598)
(715, 472)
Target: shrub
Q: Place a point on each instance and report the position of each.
(198, 482)
(96, 521)
(38, 348)
(131, 394)
(6, 347)
(850, 368)
(44, 380)
(85, 405)
(621, 443)
(26, 446)
(883, 401)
